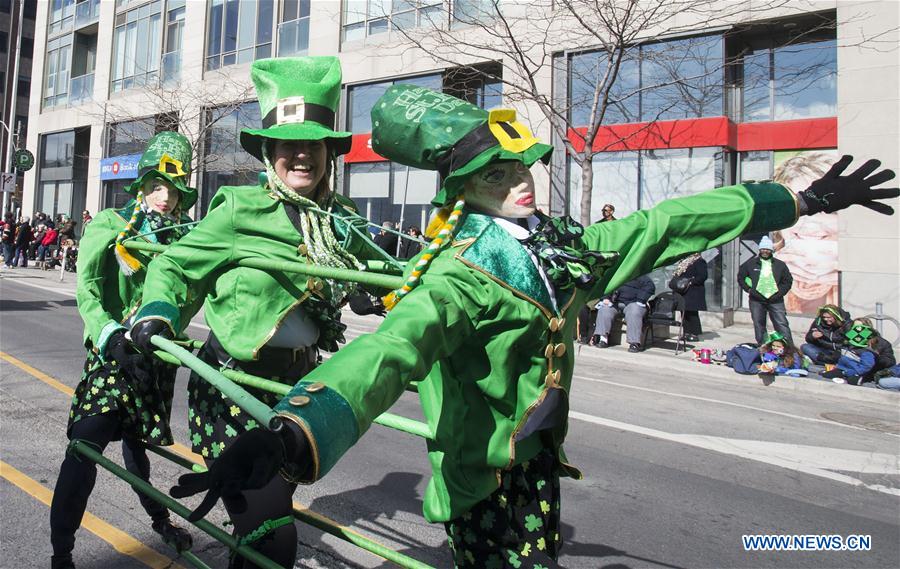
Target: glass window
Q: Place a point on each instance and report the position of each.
(239, 31)
(615, 182)
(293, 30)
(790, 82)
(56, 81)
(137, 47)
(624, 103)
(373, 17)
(682, 79)
(58, 150)
(130, 137)
(379, 188)
(225, 163)
(676, 172)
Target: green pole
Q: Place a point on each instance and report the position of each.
(257, 409)
(176, 458)
(386, 419)
(362, 277)
(146, 488)
(359, 540)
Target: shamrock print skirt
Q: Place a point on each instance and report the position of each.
(143, 410)
(517, 526)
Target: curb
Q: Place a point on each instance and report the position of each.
(669, 362)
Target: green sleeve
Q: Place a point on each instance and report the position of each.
(365, 378)
(94, 258)
(187, 268)
(659, 236)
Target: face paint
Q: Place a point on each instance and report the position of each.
(777, 348)
(160, 196)
(504, 189)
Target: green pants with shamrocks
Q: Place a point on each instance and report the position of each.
(515, 527)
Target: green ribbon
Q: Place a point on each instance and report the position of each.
(566, 266)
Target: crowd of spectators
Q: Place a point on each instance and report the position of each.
(42, 240)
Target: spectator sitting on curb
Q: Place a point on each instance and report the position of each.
(889, 378)
(884, 352)
(779, 357)
(826, 333)
(858, 358)
(766, 279)
(631, 299)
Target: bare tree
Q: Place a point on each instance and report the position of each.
(617, 69)
(196, 109)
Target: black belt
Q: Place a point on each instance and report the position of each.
(270, 362)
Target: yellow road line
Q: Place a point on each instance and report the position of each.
(177, 447)
(118, 539)
(60, 386)
(55, 384)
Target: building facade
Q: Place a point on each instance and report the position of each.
(14, 111)
(750, 98)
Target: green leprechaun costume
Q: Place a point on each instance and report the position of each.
(264, 322)
(122, 394)
(485, 323)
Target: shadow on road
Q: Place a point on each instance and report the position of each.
(573, 548)
(7, 305)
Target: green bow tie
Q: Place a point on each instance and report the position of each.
(566, 266)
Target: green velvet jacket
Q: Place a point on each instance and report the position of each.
(106, 297)
(243, 306)
(481, 335)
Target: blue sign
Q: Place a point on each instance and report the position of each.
(120, 167)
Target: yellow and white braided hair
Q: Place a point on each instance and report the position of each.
(442, 228)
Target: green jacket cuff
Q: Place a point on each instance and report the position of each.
(774, 207)
(160, 310)
(111, 328)
(326, 419)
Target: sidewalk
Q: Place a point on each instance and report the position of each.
(659, 357)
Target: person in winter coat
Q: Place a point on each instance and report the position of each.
(47, 244)
(408, 247)
(386, 239)
(631, 300)
(8, 239)
(484, 323)
(858, 359)
(779, 357)
(826, 333)
(122, 394)
(24, 237)
(695, 269)
(884, 351)
(766, 279)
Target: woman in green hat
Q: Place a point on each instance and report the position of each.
(265, 323)
(485, 323)
(122, 394)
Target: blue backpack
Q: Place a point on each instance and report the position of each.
(744, 358)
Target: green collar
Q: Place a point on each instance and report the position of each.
(499, 254)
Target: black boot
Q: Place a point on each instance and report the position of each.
(173, 535)
(62, 562)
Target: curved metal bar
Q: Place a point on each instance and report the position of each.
(263, 414)
(362, 277)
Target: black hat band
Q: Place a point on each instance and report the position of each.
(311, 112)
(470, 146)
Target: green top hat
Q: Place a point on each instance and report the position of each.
(774, 337)
(859, 335)
(167, 157)
(433, 131)
(298, 98)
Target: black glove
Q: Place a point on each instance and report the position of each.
(833, 192)
(252, 460)
(146, 329)
(135, 366)
(361, 304)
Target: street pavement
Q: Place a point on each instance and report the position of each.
(680, 461)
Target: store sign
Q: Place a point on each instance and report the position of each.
(120, 167)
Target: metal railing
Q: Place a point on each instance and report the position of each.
(81, 89)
